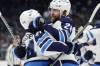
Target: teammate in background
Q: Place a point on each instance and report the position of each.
(91, 38)
(12, 59)
(85, 56)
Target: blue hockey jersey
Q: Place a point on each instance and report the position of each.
(63, 31)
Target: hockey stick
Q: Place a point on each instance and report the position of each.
(8, 27)
(6, 24)
(78, 34)
(89, 22)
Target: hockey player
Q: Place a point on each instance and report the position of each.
(26, 49)
(84, 41)
(12, 59)
(87, 51)
(63, 27)
(91, 38)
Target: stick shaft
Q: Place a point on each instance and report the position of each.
(6, 24)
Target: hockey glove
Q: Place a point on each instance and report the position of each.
(88, 55)
(20, 51)
(36, 25)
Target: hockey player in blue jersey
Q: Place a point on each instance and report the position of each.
(63, 30)
(28, 49)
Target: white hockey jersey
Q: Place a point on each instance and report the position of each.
(92, 37)
(11, 58)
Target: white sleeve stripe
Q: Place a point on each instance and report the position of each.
(40, 40)
(90, 36)
(62, 37)
(46, 44)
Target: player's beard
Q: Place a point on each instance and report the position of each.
(54, 18)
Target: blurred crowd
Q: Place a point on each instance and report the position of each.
(11, 9)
